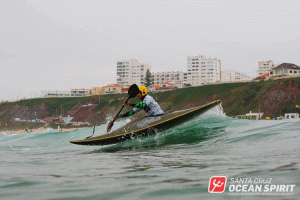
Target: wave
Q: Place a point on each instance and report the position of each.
(210, 128)
(207, 126)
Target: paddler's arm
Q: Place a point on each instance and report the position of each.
(129, 113)
(137, 108)
(138, 105)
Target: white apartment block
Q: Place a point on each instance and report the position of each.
(55, 93)
(160, 77)
(234, 76)
(80, 92)
(202, 70)
(131, 71)
(265, 66)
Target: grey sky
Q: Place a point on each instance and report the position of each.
(75, 44)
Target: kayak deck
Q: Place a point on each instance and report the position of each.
(146, 126)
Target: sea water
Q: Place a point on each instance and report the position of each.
(173, 164)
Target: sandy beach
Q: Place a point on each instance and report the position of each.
(42, 129)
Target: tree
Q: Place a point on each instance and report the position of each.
(148, 78)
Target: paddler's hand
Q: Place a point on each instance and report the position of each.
(116, 117)
(126, 103)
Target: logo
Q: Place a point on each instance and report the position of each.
(217, 184)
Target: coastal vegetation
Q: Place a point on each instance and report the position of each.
(273, 97)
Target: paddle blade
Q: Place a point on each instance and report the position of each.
(133, 91)
(110, 125)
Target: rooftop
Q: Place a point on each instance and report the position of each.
(156, 87)
(262, 76)
(287, 66)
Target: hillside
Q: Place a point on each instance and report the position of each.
(274, 96)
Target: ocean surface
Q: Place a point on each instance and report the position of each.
(173, 164)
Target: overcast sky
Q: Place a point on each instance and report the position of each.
(65, 44)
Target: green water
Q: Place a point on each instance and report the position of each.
(174, 164)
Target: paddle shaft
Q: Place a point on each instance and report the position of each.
(112, 123)
(122, 107)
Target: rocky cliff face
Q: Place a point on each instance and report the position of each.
(273, 98)
(280, 99)
(84, 114)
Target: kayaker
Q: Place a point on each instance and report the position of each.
(148, 104)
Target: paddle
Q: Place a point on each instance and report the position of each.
(132, 92)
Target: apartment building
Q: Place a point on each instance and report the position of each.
(159, 77)
(265, 66)
(131, 71)
(96, 90)
(202, 70)
(234, 76)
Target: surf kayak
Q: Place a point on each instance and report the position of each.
(146, 126)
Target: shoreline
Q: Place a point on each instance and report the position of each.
(42, 129)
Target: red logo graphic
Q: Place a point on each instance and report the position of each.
(217, 184)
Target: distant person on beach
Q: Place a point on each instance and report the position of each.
(148, 104)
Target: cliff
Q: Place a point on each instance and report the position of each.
(273, 97)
